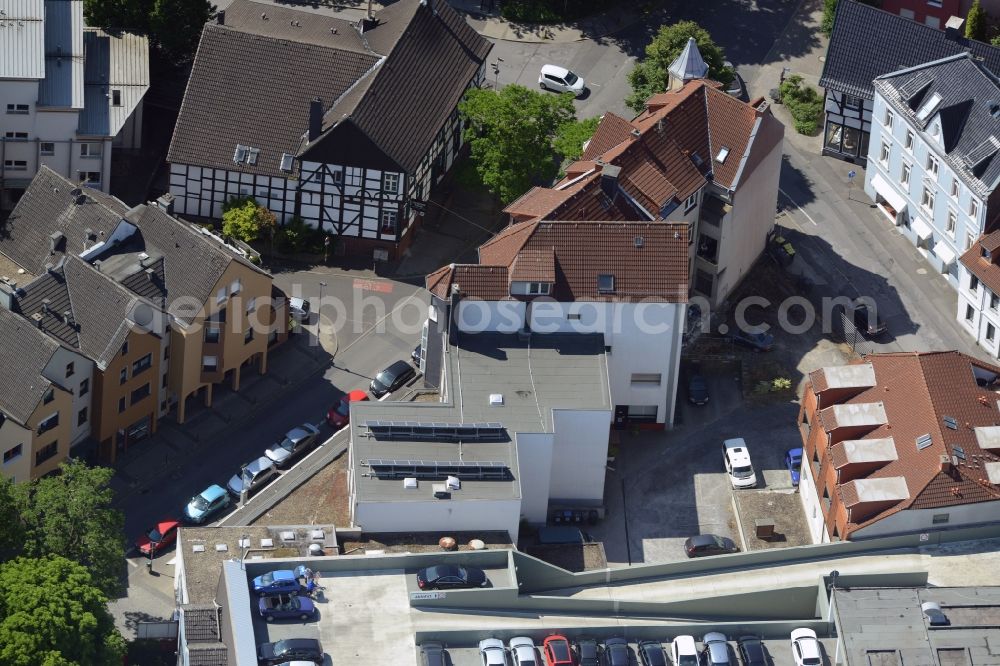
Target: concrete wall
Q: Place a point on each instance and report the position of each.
(534, 459)
(579, 455)
(922, 520)
(983, 316)
(440, 515)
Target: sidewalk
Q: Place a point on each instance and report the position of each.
(174, 445)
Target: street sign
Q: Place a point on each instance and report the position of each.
(420, 596)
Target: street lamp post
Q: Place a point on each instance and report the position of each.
(319, 310)
(496, 73)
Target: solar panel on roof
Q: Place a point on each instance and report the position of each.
(438, 469)
(437, 431)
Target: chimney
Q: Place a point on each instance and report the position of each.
(220, 18)
(945, 463)
(954, 29)
(68, 318)
(166, 203)
(150, 274)
(45, 305)
(609, 179)
(315, 119)
(56, 239)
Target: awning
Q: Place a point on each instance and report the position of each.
(886, 191)
(921, 229)
(944, 253)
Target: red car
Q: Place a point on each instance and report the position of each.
(158, 537)
(340, 414)
(557, 652)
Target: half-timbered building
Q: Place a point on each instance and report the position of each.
(344, 125)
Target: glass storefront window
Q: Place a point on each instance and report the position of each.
(833, 134)
(852, 139)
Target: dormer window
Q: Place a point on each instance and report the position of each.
(929, 107)
(986, 254)
(538, 288)
(605, 284)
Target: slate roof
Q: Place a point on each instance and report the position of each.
(853, 61)
(23, 355)
(47, 206)
(984, 269)
(917, 390)
(575, 254)
(100, 309)
(254, 90)
(653, 163)
(417, 60)
(427, 70)
(969, 129)
(201, 623)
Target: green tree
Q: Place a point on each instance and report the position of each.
(571, 136)
(11, 528)
(244, 219)
(175, 27)
(651, 76)
(114, 15)
(829, 12)
(976, 22)
(510, 134)
(804, 103)
(52, 614)
(70, 514)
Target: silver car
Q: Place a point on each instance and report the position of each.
(299, 309)
(256, 474)
(492, 653)
(716, 649)
(296, 442)
(522, 651)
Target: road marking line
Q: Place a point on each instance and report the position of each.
(798, 206)
(131, 563)
(380, 286)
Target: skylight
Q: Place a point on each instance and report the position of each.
(605, 283)
(929, 107)
(723, 154)
(286, 162)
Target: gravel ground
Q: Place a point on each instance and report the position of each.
(421, 543)
(322, 500)
(572, 557)
(785, 509)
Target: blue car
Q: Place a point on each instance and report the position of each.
(755, 341)
(280, 581)
(286, 607)
(202, 507)
(793, 461)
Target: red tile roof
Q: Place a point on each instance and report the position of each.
(973, 259)
(917, 390)
(609, 133)
(648, 261)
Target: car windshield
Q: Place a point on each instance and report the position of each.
(266, 579)
(344, 408)
(743, 472)
(384, 378)
(154, 535)
(687, 660)
(571, 78)
(560, 650)
(200, 502)
(287, 444)
(811, 661)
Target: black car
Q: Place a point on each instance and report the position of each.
(415, 355)
(752, 651)
(868, 323)
(651, 653)
(697, 390)
(292, 649)
(450, 577)
(587, 653)
(392, 378)
(433, 654)
(616, 652)
(708, 544)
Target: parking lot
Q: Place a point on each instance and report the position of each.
(778, 651)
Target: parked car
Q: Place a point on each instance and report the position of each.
(279, 581)
(158, 537)
(736, 87)
(415, 356)
(756, 341)
(716, 652)
(522, 651)
(781, 250)
(295, 443)
(651, 653)
(683, 651)
(616, 652)
(736, 458)
(285, 607)
(557, 651)
(340, 414)
(291, 649)
(433, 654)
(392, 378)
(588, 652)
(451, 577)
(805, 648)
(560, 79)
(867, 321)
(793, 461)
(492, 652)
(752, 651)
(708, 544)
(697, 390)
(299, 309)
(203, 506)
(257, 474)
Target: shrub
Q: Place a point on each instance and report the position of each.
(804, 103)
(551, 11)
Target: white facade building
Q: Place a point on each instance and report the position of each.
(70, 95)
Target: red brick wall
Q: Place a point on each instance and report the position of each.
(922, 9)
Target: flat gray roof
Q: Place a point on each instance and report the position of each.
(534, 377)
(886, 626)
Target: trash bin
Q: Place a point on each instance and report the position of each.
(764, 528)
